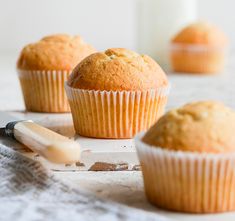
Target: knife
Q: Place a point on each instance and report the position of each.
(96, 154)
(47, 143)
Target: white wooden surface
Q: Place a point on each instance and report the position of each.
(125, 186)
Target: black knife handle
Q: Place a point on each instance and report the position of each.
(9, 129)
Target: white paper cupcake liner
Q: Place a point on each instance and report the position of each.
(115, 114)
(196, 48)
(43, 91)
(197, 58)
(187, 181)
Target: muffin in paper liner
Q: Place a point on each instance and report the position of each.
(187, 181)
(43, 91)
(191, 58)
(115, 114)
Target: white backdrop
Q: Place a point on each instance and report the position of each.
(103, 23)
(222, 13)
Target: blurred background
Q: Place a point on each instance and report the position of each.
(103, 23)
(142, 25)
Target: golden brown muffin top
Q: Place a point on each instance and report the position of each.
(117, 69)
(202, 33)
(205, 126)
(54, 52)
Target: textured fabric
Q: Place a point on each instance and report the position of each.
(30, 192)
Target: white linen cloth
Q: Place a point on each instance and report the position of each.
(30, 192)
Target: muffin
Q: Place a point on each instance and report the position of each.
(44, 66)
(116, 94)
(198, 48)
(188, 159)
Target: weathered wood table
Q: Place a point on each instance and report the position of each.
(121, 186)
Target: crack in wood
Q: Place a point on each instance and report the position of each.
(102, 166)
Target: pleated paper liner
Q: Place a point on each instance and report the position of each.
(186, 181)
(197, 58)
(115, 114)
(43, 91)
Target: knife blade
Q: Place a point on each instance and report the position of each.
(52, 146)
